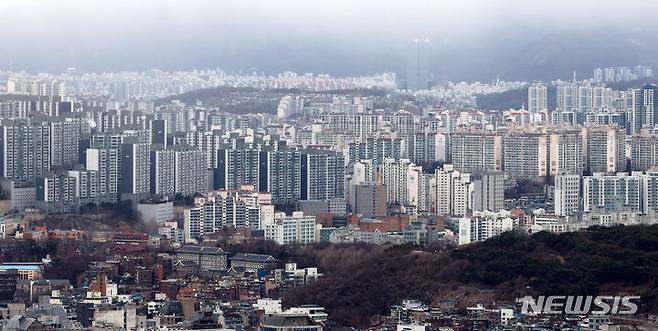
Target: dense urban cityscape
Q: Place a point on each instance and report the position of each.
(221, 199)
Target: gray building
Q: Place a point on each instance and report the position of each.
(25, 148)
(135, 170)
(418, 72)
(190, 172)
(644, 151)
(106, 163)
(156, 211)
(606, 149)
(525, 154)
(488, 191)
(159, 132)
(335, 206)
(369, 199)
(21, 197)
(279, 175)
(206, 258)
(253, 262)
(537, 97)
(57, 193)
(236, 167)
(322, 175)
(65, 136)
(162, 171)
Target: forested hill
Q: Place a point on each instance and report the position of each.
(362, 281)
(239, 100)
(513, 99)
(517, 98)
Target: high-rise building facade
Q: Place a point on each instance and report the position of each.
(488, 191)
(57, 193)
(135, 169)
(567, 194)
(190, 172)
(162, 171)
(649, 93)
(484, 225)
(236, 167)
(606, 149)
(400, 177)
(65, 136)
(106, 162)
(476, 151)
(25, 148)
(280, 175)
(376, 149)
(644, 151)
(566, 150)
(525, 154)
(428, 147)
(454, 191)
(418, 72)
(244, 208)
(619, 192)
(537, 97)
(322, 175)
(369, 199)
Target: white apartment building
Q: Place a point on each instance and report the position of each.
(454, 191)
(537, 97)
(295, 228)
(219, 209)
(484, 225)
(620, 192)
(401, 178)
(566, 194)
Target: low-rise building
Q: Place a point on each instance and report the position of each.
(206, 258)
(335, 206)
(289, 322)
(294, 276)
(296, 228)
(484, 225)
(252, 262)
(26, 270)
(156, 211)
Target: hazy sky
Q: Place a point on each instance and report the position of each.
(470, 39)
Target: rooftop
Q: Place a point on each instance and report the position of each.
(250, 257)
(281, 320)
(190, 249)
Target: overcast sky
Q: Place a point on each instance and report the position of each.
(470, 39)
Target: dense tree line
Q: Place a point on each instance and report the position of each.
(362, 281)
(513, 99)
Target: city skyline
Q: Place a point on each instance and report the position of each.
(328, 165)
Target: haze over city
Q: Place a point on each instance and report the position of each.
(471, 40)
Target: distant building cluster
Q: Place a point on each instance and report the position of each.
(153, 84)
(323, 154)
(622, 74)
